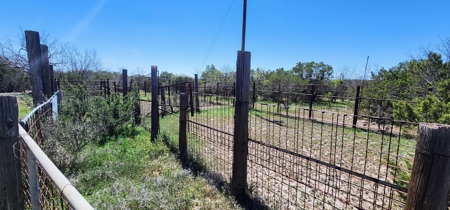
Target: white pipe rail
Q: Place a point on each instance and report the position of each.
(74, 198)
(50, 100)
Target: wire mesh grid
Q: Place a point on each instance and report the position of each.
(301, 162)
(50, 195)
(210, 140)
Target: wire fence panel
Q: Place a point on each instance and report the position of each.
(50, 196)
(210, 142)
(323, 162)
(304, 155)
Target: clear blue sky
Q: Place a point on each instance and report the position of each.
(177, 35)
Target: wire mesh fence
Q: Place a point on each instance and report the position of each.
(49, 195)
(211, 135)
(302, 157)
(35, 176)
(301, 162)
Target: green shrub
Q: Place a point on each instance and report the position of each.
(85, 119)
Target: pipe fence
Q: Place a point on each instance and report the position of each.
(45, 187)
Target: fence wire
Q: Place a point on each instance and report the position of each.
(319, 163)
(210, 140)
(302, 158)
(50, 197)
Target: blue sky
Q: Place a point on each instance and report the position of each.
(177, 35)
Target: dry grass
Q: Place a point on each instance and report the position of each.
(296, 163)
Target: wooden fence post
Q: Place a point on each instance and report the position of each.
(124, 82)
(355, 111)
(197, 101)
(311, 100)
(254, 95)
(11, 189)
(278, 99)
(240, 144)
(217, 88)
(204, 91)
(131, 84)
(108, 90)
(191, 99)
(234, 93)
(35, 64)
(46, 75)
(53, 80)
(430, 178)
(145, 88)
(155, 105)
(183, 124)
(163, 101)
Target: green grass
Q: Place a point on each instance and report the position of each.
(25, 102)
(131, 172)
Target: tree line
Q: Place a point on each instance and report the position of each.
(418, 88)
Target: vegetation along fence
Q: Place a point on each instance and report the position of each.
(305, 148)
(38, 183)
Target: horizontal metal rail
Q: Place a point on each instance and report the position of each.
(25, 119)
(363, 176)
(74, 198)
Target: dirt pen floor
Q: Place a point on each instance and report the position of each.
(299, 163)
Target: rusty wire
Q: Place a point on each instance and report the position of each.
(50, 196)
(305, 158)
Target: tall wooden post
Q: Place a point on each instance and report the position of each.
(145, 88)
(108, 90)
(191, 99)
(155, 105)
(355, 110)
(53, 81)
(124, 82)
(217, 90)
(11, 190)
(131, 85)
(46, 75)
(183, 124)
(311, 100)
(240, 144)
(168, 95)
(204, 91)
(197, 101)
(278, 99)
(430, 178)
(163, 101)
(254, 95)
(35, 66)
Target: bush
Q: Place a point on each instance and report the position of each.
(85, 119)
(431, 109)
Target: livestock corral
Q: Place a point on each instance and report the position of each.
(302, 156)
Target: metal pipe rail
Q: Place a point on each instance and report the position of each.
(74, 198)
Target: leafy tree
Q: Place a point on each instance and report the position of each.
(313, 73)
(12, 78)
(316, 74)
(280, 78)
(338, 88)
(425, 80)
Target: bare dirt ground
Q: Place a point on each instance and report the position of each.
(296, 163)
